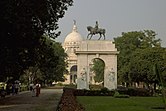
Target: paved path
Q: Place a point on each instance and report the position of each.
(47, 101)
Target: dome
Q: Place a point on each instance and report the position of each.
(74, 36)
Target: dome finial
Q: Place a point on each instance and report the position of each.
(74, 36)
(74, 27)
(74, 22)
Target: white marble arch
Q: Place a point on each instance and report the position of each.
(102, 49)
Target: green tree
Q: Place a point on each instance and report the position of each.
(50, 65)
(142, 64)
(52, 61)
(22, 24)
(127, 44)
(98, 68)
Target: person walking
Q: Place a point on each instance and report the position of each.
(13, 88)
(16, 85)
(37, 90)
(31, 86)
(33, 91)
(2, 92)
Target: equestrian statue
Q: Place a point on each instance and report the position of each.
(95, 30)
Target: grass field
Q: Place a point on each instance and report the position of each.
(107, 103)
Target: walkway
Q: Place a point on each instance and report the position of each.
(47, 101)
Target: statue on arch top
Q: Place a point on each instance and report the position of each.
(96, 26)
(74, 22)
(95, 30)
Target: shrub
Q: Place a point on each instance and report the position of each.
(138, 92)
(118, 95)
(104, 90)
(122, 96)
(23, 88)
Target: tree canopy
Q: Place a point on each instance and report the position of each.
(143, 62)
(23, 24)
(98, 68)
(52, 61)
(50, 65)
(139, 52)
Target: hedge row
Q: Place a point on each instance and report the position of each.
(136, 92)
(102, 92)
(106, 92)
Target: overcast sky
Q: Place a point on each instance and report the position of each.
(116, 16)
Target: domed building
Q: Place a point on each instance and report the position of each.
(70, 45)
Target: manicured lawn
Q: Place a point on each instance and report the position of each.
(107, 103)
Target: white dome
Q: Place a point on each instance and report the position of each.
(74, 36)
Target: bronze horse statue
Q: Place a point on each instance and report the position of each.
(93, 31)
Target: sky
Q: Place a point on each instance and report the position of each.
(116, 16)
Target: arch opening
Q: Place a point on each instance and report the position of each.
(97, 72)
(73, 74)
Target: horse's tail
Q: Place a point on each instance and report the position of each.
(104, 31)
(88, 28)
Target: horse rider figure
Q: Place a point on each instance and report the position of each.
(96, 26)
(95, 30)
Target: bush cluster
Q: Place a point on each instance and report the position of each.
(135, 92)
(102, 92)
